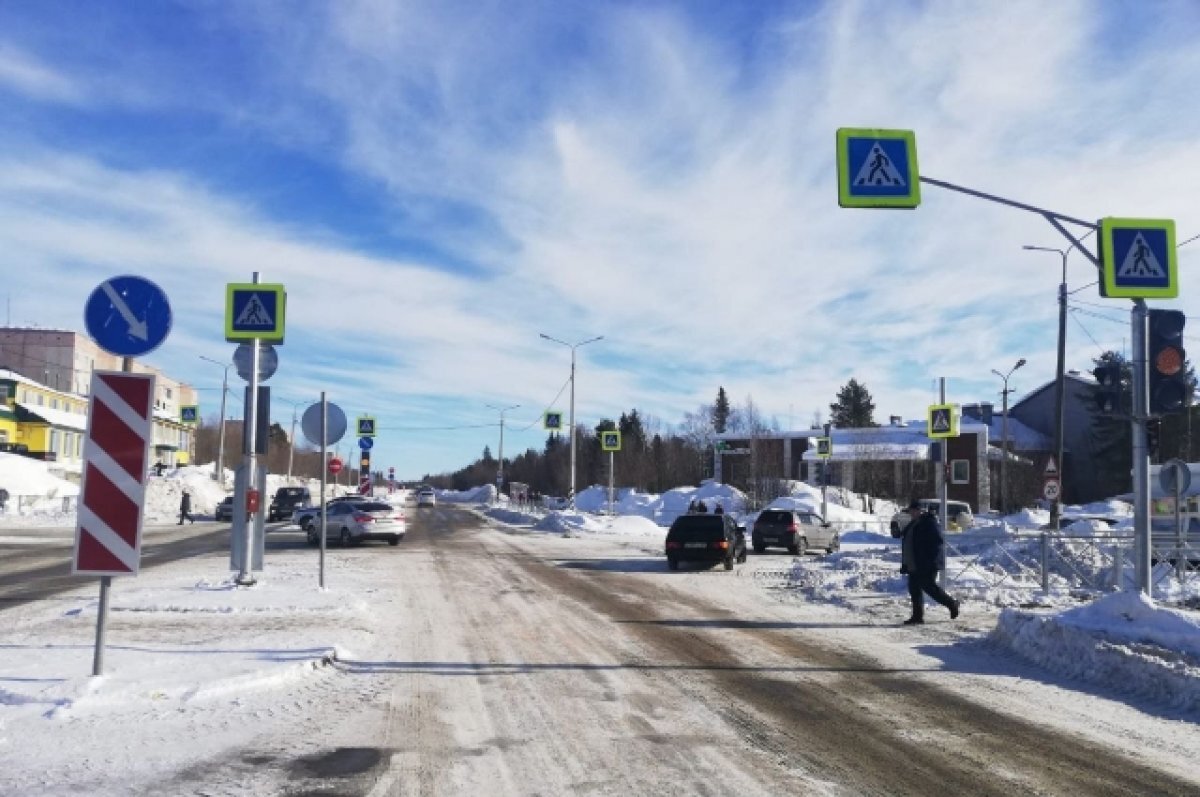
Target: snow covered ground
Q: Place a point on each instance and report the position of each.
(214, 665)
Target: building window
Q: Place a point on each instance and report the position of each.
(3, 392)
(920, 470)
(960, 471)
(167, 391)
(54, 440)
(53, 403)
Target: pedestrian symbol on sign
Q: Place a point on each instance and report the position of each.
(254, 314)
(1140, 261)
(877, 169)
(942, 421)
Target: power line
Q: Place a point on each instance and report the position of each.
(548, 406)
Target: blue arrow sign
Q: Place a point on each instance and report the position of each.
(128, 316)
(366, 443)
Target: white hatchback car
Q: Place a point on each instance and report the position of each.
(958, 515)
(426, 497)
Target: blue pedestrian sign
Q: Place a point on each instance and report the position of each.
(877, 168)
(189, 414)
(552, 420)
(366, 427)
(253, 311)
(366, 443)
(1138, 259)
(128, 316)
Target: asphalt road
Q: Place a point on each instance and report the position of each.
(612, 676)
(35, 563)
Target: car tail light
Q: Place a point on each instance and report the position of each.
(722, 544)
(671, 545)
(793, 528)
(363, 518)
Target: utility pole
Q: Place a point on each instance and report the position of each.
(572, 347)
(1004, 435)
(500, 468)
(219, 465)
(1060, 374)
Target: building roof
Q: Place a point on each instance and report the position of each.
(69, 420)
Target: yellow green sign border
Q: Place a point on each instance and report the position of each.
(545, 421)
(604, 440)
(274, 335)
(1108, 260)
(183, 407)
(953, 422)
(828, 447)
(846, 199)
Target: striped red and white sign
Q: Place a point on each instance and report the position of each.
(108, 534)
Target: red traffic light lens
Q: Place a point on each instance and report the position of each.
(1169, 361)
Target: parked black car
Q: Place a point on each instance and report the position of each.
(793, 529)
(699, 537)
(285, 502)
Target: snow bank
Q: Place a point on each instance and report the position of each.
(32, 489)
(478, 495)
(1122, 641)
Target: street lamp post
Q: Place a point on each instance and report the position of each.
(572, 347)
(1060, 375)
(292, 440)
(219, 468)
(1004, 435)
(500, 469)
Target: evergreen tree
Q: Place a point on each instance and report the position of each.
(1112, 439)
(721, 411)
(854, 408)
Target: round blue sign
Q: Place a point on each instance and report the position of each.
(128, 316)
(365, 443)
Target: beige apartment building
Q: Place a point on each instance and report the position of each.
(52, 367)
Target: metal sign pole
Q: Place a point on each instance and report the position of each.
(611, 479)
(246, 575)
(324, 465)
(1141, 451)
(1180, 560)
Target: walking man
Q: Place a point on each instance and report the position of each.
(923, 555)
(185, 508)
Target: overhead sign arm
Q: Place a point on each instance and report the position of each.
(1056, 219)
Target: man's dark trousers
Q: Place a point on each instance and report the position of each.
(925, 581)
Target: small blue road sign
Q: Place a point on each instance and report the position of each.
(1138, 259)
(552, 421)
(254, 310)
(190, 414)
(877, 169)
(128, 316)
(366, 443)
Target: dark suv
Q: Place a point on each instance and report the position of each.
(286, 500)
(795, 530)
(699, 537)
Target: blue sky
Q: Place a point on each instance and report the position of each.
(436, 183)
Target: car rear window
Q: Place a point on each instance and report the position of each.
(374, 506)
(697, 527)
(775, 516)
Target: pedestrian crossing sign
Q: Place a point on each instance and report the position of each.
(552, 421)
(254, 311)
(877, 168)
(189, 414)
(943, 421)
(366, 426)
(824, 447)
(610, 441)
(1138, 259)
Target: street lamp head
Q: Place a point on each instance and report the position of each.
(1020, 362)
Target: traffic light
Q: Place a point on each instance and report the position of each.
(1153, 432)
(1108, 387)
(1167, 374)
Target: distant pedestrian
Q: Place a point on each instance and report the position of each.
(720, 510)
(922, 557)
(158, 469)
(185, 508)
(701, 507)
